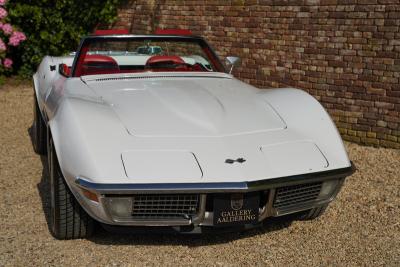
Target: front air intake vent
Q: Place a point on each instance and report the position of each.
(174, 206)
(295, 195)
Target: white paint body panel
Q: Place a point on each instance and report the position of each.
(167, 165)
(171, 107)
(97, 121)
(304, 157)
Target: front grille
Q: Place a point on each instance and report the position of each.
(288, 196)
(165, 206)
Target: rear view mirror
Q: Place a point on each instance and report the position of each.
(64, 70)
(232, 62)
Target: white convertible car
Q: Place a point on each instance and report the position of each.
(153, 130)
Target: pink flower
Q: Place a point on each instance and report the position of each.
(3, 13)
(7, 63)
(3, 2)
(16, 38)
(7, 28)
(2, 45)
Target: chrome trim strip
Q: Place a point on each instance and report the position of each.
(155, 77)
(202, 211)
(267, 212)
(212, 187)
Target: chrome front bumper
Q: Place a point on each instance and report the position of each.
(203, 217)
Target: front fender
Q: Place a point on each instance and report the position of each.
(304, 115)
(88, 139)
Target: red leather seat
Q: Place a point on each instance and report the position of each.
(99, 64)
(164, 63)
(160, 60)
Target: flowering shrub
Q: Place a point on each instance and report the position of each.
(16, 38)
(52, 27)
(9, 38)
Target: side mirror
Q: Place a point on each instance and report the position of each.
(64, 70)
(232, 62)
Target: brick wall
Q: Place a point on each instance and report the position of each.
(346, 53)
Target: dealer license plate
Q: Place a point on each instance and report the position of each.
(236, 209)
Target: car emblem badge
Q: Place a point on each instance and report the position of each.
(231, 161)
(236, 201)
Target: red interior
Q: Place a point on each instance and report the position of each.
(92, 64)
(156, 63)
(99, 64)
(213, 60)
(79, 63)
(99, 59)
(167, 59)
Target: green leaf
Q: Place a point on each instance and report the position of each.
(54, 27)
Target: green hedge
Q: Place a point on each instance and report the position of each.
(54, 27)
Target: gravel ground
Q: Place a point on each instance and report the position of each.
(362, 227)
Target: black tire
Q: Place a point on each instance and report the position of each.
(68, 220)
(312, 213)
(39, 130)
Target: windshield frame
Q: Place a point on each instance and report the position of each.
(87, 41)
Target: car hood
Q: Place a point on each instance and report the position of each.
(182, 105)
(170, 128)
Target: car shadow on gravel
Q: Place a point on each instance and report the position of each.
(146, 237)
(150, 236)
(43, 185)
(43, 188)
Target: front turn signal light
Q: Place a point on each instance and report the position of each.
(90, 195)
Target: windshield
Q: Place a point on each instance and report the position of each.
(152, 54)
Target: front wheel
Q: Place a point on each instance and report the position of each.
(68, 220)
(39, 130)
